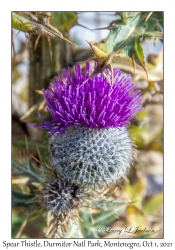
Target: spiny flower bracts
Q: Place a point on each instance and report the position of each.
(91, 157)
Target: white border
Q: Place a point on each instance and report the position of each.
(5, 98)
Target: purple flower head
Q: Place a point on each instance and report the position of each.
(94, 104)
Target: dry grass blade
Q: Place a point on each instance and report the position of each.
(50, 170)
(148, 16)
(22, 228)
(33, 108)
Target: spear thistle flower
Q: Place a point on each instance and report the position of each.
(94, 104)
(89, 143)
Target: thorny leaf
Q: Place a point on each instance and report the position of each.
(125, 39)
(109, 205)
(33, 23)
(89, 228)
(110, 210)
(27, 169)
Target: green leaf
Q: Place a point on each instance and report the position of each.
(139, 56)
(125, 39)
(35, 24)
(109, 212)
(153, 204)
(140, 135)
(21, 23)
(32, 145)
(109, 205)
(135, 215)
(27, 169)
(63, 20)
(87, 227)
(144, 236)
(104, 218)
(136, 191)
(17, 220)
(155, 16)
(20, 199)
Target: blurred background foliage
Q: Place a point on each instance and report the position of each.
(37, 56)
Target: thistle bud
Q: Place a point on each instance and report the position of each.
(61, 198)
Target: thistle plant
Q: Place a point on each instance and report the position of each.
(68, 206)
(89, 143)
